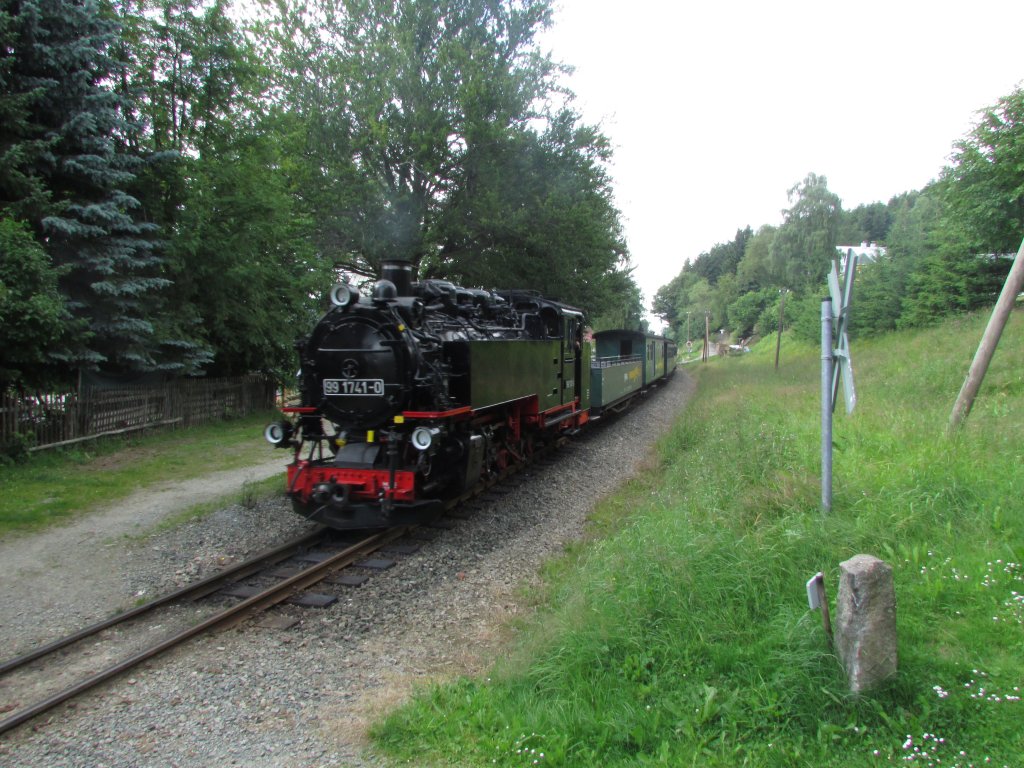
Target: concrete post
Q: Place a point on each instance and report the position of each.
(865, 630)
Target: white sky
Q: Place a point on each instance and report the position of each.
(716, 108)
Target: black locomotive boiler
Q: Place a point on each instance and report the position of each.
(417, 392)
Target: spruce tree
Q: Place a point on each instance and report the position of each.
(21, 190)
(66, 174)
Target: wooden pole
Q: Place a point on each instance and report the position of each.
(826, 619)
(778, 340)
(989, 342)
(707, 338)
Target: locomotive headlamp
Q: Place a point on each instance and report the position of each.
(423, 437)
(279, 433)
(343, 295)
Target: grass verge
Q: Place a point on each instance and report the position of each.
(52, 486)
(683, 637)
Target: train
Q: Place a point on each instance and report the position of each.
(414, 394)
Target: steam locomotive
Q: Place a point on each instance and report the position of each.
(419, 391)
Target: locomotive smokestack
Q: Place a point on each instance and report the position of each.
(399, 272)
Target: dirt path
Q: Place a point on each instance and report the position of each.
(87, 549)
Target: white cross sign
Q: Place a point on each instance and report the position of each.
(841, 296)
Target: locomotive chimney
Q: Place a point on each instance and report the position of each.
(399, 272)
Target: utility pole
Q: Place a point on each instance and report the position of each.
(705, 354)
(778, 340)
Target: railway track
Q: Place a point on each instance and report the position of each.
(254, 601)
(261, 600)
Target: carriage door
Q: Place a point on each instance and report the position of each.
(572, 359)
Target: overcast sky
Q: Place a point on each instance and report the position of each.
(716, 108)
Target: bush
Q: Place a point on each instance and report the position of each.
(14, 450)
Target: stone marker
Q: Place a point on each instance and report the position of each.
(865, 633)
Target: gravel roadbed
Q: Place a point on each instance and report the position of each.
(304, 696)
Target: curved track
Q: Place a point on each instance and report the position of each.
(277, 593)
(222, 619)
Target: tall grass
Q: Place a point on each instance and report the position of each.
(683, 637)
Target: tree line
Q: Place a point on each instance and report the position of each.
(180, 182)
(946, 247)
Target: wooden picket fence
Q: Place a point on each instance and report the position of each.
(61, 418)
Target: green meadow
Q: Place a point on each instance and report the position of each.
(680, 635)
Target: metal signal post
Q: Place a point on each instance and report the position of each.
(826, 404)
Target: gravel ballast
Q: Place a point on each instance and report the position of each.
(303, 696)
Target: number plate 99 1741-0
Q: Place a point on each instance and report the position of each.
(373, 387)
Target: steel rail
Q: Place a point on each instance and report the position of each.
(194, 590)
(275, 594)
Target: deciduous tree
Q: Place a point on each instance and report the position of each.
(402, 91)
(32, 313)
(438, 136)
(984, 184)
(555, 229)
(804, 246)
(226, 182)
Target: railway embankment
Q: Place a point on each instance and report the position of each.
(305, 695)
